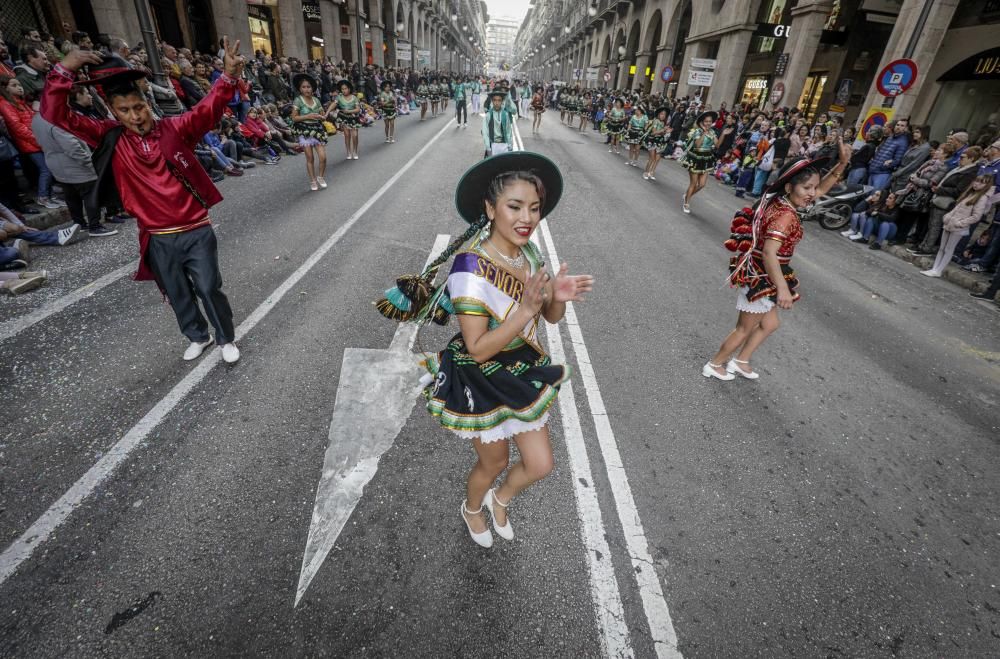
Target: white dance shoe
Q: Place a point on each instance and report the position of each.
(734, 367)
(708, 370)
(484, 539)
(506, 531)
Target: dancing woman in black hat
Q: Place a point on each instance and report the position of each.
(494, 382)
(423, 95)
(656, 141)
(699, 155)
(765, 242)
(308, 115)
(387, 104)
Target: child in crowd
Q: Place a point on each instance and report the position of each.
(882, 222)
(728, 169)
(860, 215)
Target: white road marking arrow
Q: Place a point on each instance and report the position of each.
(377, 392)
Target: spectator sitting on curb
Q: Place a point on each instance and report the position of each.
(915, 198)
(12, 226)
(988, 261)
(880, 222)
(946, 192)
(916, 155)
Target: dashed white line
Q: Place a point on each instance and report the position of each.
(22, 548)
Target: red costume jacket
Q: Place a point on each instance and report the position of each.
(142, 163)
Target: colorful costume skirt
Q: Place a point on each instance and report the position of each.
(495, 400)
(756, 286)
(633, 135)
(655, 143)
(538, 108)
(422, 100)
(309, 133)
(612, 128)
(389, 113)
(697, 161)
(352, 121)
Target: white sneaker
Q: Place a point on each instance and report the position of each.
(70, 235)
(847, 233)
(321, 181)
(853, 235)
(230, 353)
(930, 273)
(195, 349)
(46, 203)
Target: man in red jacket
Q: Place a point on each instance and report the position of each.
(162, 184)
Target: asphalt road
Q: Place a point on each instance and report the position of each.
(843, 505)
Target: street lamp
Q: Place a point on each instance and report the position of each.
(621, 50)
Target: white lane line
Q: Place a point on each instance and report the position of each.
(608, 609)
(42, 528)
(17, 325)
(603, 585)
(661, 626)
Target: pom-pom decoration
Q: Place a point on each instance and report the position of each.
(731, 244)
(407, 298)
(744, 246)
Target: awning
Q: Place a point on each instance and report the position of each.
(982, 66)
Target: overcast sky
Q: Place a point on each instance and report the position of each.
(514, 8)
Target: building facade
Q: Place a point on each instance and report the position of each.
(434, 34)
(818, 55)
(500, 34)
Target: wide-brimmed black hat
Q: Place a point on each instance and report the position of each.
(662, 108)
(386, 83)
(470, 195)
(350, 85)
(113, 70)
(707, 113)
(299, 77)
(793, 167)
(502, 93)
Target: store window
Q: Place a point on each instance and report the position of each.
(261, 28)
(773, 13)
(754, 93)
(969, 97)
(811, 93)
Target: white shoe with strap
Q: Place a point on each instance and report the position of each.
(483, 539)
(709, 371)
(734, 367)
(506, 531)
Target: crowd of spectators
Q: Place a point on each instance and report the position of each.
(58, 166)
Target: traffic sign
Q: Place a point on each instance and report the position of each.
(876, 117)
(898, 76)
(607, 76)
(667, 74)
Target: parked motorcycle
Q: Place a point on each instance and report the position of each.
(833, 210)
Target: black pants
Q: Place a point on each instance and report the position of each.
(10, 195)
(460, 111)
(77, 200)
(186, 265)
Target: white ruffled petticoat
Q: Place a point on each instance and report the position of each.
(505, 430)
(762, 305)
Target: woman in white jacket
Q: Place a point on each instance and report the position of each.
(969, 209)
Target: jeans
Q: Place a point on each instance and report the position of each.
(858, 222)
(857, 175)
(992, 255)
(886, 230)
(460, 111)
(9, 194)
(44, 175)
(8, 254)
(185, 265)
(759, 179)
(221, 157)
(79, 199)
(232, 151)
(241, 109)
(880, 181)
(746, 177)
(41, 237)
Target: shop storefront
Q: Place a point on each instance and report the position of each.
(754, 93)
(969, 97)
(812, 92)
(262, 29)
(312, 19)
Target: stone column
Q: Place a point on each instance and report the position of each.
(733, 47)
(640, 81)
(621, 80)
(114, 17)
(352, 28)
(293, 29)
(807, 27)
(663, 55)
(928, 42)
(378, 57)
(330, 14)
